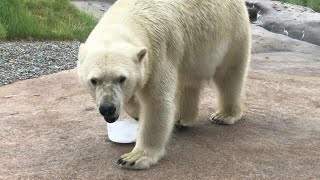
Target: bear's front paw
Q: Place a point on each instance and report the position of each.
(139, 159)
(221, 118)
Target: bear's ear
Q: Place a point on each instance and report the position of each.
(82, 52)
(141, 54)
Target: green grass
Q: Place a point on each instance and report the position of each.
(43, 20)
(314, 4)
(2, 32)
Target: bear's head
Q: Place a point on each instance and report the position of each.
(112, 74)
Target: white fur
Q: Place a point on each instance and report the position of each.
(187, 42)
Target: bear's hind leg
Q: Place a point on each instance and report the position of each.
(229, 79)
(187, 105)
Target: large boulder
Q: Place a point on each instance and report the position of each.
(49, 128)
(295, 21)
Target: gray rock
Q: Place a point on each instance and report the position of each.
(295, 21)
(96, 8)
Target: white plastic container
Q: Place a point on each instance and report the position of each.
(123, 131)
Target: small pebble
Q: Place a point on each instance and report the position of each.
(61, 98)
(88, 107)
(13, 113)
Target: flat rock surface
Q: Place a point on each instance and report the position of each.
(50, 130)
(95, 7)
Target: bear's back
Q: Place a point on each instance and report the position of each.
(179, 27)
(190, 17)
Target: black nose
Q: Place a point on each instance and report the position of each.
(107, 109)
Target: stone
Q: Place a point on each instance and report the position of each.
(277, 138)
(300, 22)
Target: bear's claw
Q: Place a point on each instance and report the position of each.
(120, 161)
(224, 119)
(180, 127)
(217, 121)
(182, 123)
(123, 162)
(139, 159)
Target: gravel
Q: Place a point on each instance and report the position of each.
(26, 60)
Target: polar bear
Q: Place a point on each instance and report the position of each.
(151, 57)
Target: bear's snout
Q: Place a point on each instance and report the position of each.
(108, 111)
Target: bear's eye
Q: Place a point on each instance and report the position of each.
(93, 81)
(122, 79)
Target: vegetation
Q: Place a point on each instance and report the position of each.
(43, 20)
(314, 4)
(59, 19)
